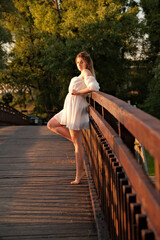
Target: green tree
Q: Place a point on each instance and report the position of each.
(49, 34)
(152, 102)
(7, 98)
(5, 36)
(151, 9)
(105, 29)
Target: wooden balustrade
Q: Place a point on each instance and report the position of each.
(130, 201)
(9, 115)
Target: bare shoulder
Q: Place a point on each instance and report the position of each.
(86, 73)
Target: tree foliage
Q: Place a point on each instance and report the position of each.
(7, 98)
(152, 102)
(5, 36)
(151, 9)
(152, 29)
(48, 35)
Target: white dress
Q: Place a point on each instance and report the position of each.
(74, 114)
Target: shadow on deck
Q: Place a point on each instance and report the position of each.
(37, 200)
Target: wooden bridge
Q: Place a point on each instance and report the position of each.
(10, 116)
(37, 200)
(117, 199)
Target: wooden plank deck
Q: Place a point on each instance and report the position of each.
(37, 200)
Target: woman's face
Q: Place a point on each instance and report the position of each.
(81, 64)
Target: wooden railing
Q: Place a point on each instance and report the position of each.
(9, 115)
(129, 200)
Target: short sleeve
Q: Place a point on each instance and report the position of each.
(91, 83)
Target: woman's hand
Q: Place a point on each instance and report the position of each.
(75, 92)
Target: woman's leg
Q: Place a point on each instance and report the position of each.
(79, 154)
(56, 127)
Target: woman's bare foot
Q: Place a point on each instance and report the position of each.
(78, 179)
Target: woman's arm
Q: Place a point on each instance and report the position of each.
(84, 74)
(90, 81)
(81, 92)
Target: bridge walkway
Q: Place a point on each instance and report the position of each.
(37, 200)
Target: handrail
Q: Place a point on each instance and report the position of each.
(139, 123)
(9, 115)
(120, 124)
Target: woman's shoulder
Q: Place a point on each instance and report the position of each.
(86, 73)
(74, 78)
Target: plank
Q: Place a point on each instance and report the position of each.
(37, 200)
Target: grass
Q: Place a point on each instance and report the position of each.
(150, 163)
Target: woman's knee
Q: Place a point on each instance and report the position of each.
(52, 123)
(48, 124)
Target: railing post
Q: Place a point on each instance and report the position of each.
(9, 115)
(123, 187)
(157, 173)
(119, 129)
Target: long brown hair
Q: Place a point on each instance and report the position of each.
(87, 58)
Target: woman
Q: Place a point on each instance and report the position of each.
(70, 121)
